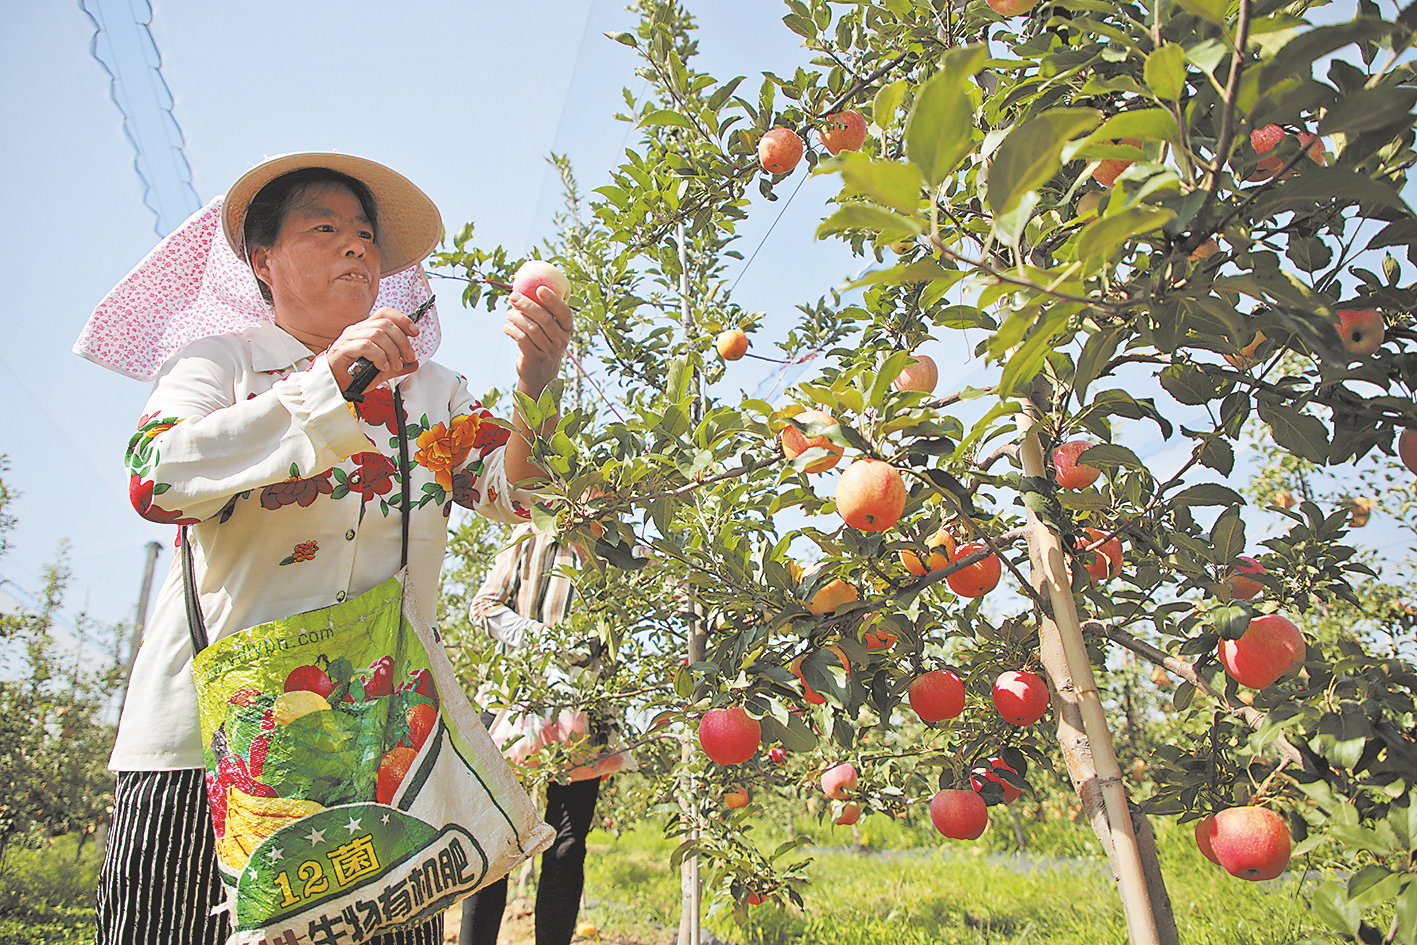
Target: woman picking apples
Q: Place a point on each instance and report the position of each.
(264, 306)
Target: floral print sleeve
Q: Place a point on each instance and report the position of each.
(465, 455)
(202, 439)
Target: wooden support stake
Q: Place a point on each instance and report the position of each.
(1051, 575)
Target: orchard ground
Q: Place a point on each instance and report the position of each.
(900, 888)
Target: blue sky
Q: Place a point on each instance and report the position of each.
(465, 98)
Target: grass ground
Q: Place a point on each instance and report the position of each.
(907, 888)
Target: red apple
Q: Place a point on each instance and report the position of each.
(920, 374)
(981, 774)
(729, 736)
(845, 131)
(1242, 587)
(850, 814)
(838, 781)
(937, 695)
(1250, 842)
(1011, 7)
(795, 442)
(535, 273)
(1407, 449)
(977, 579)
(1202, 829)
(777, 756)
(1109, 169)
(870, 495)
(959, 815)
(779, 150)
(1105, 562)
(732, 344)
(1020, 697)
(1271, 646)
(735, 799)
(1362, 331)
(1069, 472)
(1265, 139)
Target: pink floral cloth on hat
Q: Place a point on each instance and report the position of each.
(192, 285)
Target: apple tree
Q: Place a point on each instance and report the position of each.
(1177, 221)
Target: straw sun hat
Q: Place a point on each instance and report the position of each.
(409, 225)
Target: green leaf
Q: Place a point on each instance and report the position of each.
(1331, 906)
(1101, 238)
(1185, 692)
(1367, 109)
(1372, 886)
(922, 270)
(1227, 537)
(1212, 10)
(1208, 494)
(1217, 453)
(1031, 153)
(1407, 913)
(1165, 71)
(892, 183)
(1107, 456)
(1095, 354)
(1147, 124)
(888, 99)
(1298, 56)
(680, 372)
(664, 116)
(939, 131)
(864, 216)
(1299, 433)
(1189, 385)
(624, 39)
(1028, 360)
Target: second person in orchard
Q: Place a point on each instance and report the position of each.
(261, 305)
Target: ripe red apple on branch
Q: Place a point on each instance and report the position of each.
(735, 799)
(850, 814)
(1020, 697)
(979, 775)
(870, 495)
(1109, 169)
(979, 578)
(845, 131)
(1243, 587)
(1250, 842)
(1362, 331)
(731, 343)
(779, 150)
(729, 735)
(795, 442)
(839, 780)
(1407, 449)
(1270, 647)
(1105, 562)
(959, 815)
(941, 539)
(1266, 139)
(937, 695)
(922, 375)
(1069, 472)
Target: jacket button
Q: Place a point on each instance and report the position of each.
(349, 535)
(339, 597)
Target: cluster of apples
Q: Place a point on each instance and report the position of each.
(780, 149)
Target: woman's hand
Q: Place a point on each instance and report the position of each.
(541, 327)
(385, 338)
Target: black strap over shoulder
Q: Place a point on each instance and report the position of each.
(196, 621)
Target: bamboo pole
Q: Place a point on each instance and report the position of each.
(690, 883)
(1046, 549)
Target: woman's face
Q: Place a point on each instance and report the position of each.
(323, 270)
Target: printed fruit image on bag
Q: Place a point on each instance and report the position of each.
(352, 786)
